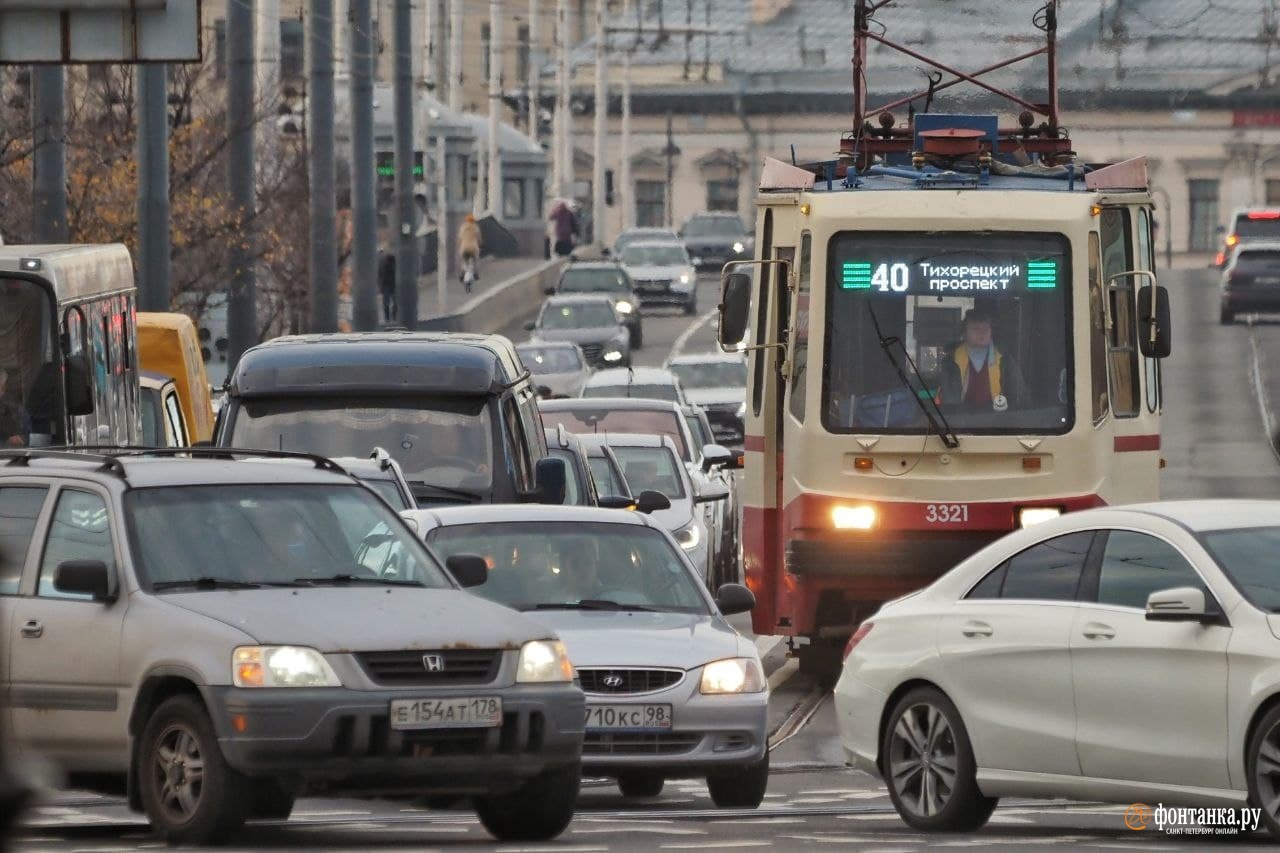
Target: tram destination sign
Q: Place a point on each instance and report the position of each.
(949, 275)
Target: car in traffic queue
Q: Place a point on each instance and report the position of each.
(642, 234)
(588, 320)
(714, 238)
(580, 487)
(1251, 281)
(663, 274)
(718, 383)
(1121, 655)
(168, 344)
(202, 634)
(163, 423)
(1249, 225)
(558, 368)
(672, 689)
(607, 277)
(722, 516)
(649, 383)
(457, 411)
(650, 464)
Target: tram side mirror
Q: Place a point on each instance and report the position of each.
(735, 307)
(1154, 324)
(79, 388)
(552, 478)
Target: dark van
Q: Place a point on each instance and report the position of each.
(456, 411)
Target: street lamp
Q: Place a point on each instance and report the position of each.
(1168, 225)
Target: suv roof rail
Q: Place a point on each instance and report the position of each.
(110, 454)
(21, 458)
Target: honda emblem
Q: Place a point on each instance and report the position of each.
(433, 663)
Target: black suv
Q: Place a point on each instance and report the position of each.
(610, 278)
(714, 239)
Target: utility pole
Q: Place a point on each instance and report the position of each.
(601, 119)
(324, 219)
(565, 109)
(628, 203)
(49, 181)
(494, 170)
(455, 54)
(242, 306)
(535, 66)
(442, 226)
(406, 251)
(341, 26)
(153, 187)
(430, 46)
(364, 200)
(267, 70)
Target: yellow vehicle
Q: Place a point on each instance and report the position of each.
(163, 424)
(167, 344)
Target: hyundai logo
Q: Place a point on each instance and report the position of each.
(433, 663)
(614, 681)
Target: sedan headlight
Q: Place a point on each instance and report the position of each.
(625, 307)
(733, 675)
(689, 536)
(281, 666)
(738, 248)
(543, 661)
(613, 355)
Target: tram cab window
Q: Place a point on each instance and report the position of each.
(28, 366)
(979, 323)
(1122, 349)
(800, 348)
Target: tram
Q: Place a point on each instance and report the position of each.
(68, 360)
(955, 330)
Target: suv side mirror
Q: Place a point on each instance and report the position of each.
(550, 291)
(530, 325)
(734, 598)
(469, 570)
(1154, 322)
(552, 479)
(713, 455)
(83, 577)
(651, 501)
(79, 389)
(735, 306)
(1180, 604)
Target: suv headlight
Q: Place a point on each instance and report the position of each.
(689, 536)
(684, 278)
(613, 355)
(732, 675)
(281, 666)
(738, 248)
(543, 661)
(625, 307)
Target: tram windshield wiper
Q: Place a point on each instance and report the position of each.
(937, 420)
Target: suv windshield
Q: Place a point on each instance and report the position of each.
(640, 235)
(984, 316)
(594, 566)
(578, 280)
(445, 442)
(272, 534)
(1256, 261)
(641, 255)
(630, 421)
(1258, 226)
(714, 226)
(550, 359)
(651, 468)
(712, 374)
(643, 392)
(583, 315)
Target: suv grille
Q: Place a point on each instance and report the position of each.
(653, 285)
(592, 351)
(626, 743)
(458, 666)
(621, 681)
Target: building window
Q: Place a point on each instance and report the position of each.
(722, 194)
(522, 53)
(220, 48)
(651, 203)
(1273, 191)
(292, 50)
(458, 179)
(1203, 199)
(513, 198)
(486, 37)
(538, 201)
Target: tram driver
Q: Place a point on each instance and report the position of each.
(978, 375)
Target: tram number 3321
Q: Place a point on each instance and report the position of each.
(946, 513)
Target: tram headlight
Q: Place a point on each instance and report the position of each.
(1032, 515)
(853, 517)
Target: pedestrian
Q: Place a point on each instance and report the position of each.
(387, 283)
(469, 251)
(564, 226)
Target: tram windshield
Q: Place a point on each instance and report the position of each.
(28, 366)
(977, 322)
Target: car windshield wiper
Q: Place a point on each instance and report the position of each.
(590, 604)
(932, 411)
(206, 582)
(451, 491)
(339, 579)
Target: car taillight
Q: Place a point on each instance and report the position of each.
(863, 630)
(1264, 214)
(1220, 259)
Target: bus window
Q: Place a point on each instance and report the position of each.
(28, 366)
(765, 274)
(1122, 351)
(1097, 334)
(800, 352)
(978, 322)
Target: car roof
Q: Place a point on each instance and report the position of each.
(162, 470)
(541, 344)
(668, 242)
(628, 439)
(594, 264)
(633, 376)
(647, 229)
(1257, 246)
(1216, 514)
(541, 513)
(707, 358)
(578, 299)
(570, 404)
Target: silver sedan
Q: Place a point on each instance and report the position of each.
(672, 689)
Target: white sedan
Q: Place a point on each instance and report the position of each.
(1122, 655)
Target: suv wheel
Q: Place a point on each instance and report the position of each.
(691, 307)
(271, 800)
(189, 792)
(740, 787)
(641, 784)
(539, 810)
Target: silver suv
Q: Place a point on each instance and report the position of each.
(223, 635)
